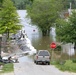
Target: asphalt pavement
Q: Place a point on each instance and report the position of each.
(30, 68)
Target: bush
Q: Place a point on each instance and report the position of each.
(62, 62)
(58, 48)
(58, 62)
(55, 62)
(74, 60)
(68, 66)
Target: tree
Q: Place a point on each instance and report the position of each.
(44, 13)
(66, 4)
(9, 21)
(1, 1)
(62, 28)
(66, 30)
(21, 4)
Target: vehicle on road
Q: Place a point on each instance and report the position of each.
(42, 56)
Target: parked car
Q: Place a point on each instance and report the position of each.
(42, 56)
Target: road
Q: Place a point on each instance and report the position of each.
(30, 68)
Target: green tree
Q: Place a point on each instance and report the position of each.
(61, 30)
(66, 4)
(9, 21)
(44, 13)
(1, 1)
(21, 4)
(66, 30)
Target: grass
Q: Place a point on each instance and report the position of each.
(68, 65)
(7, 68)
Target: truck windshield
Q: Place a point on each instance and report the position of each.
(43, 53)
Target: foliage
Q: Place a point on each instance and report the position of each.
(7, 68)
(1, 1)
(74, 60)
(55, 62)
(44, 13)
(9, 21)
(58, 48)
(66, 30)
(66, 4)
(68, 66)
(21, 4)
(61, 27)
(72, 20)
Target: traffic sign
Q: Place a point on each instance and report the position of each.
(53, 45)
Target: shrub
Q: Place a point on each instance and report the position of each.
(74, 60)
(55, 62)
(68, 66)
(58, 48)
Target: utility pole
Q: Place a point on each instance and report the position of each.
(70, 9)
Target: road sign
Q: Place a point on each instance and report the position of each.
(53, 45)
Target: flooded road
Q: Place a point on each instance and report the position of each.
(34, 34)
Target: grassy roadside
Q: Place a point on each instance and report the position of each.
(67, 65)
(7, 68)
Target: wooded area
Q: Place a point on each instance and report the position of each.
(21, 4)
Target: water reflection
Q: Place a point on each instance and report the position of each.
(41, 42)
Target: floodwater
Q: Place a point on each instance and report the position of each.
(34, 34)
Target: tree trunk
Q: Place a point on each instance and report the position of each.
(45, 32)
(7, 33)
(48, 32)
